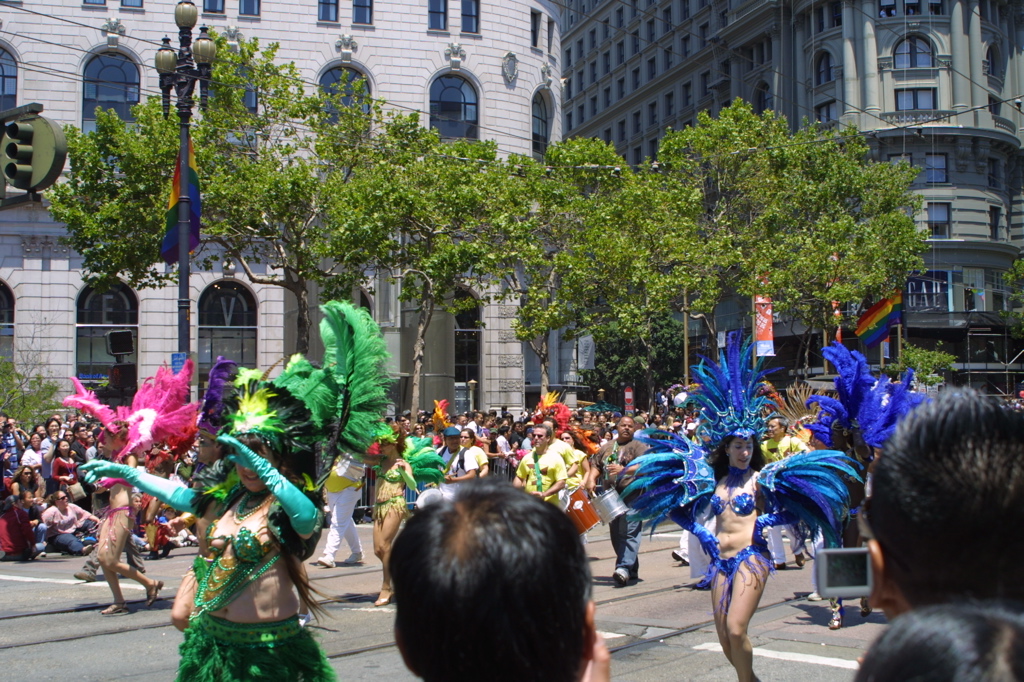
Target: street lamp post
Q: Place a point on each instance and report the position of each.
(181, 71)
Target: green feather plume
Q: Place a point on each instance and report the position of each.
(427, 466)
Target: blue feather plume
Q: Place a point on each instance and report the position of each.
(872, 406)
(730, 393)
(811, 486)
(673, 473)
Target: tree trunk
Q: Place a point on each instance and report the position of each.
(301, 317)
(426, 313)
(542, 348)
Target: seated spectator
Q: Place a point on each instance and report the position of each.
(25, 479)
(947, 505)
(17, 536)
(66, 523)
(963, 642)
(494, 585)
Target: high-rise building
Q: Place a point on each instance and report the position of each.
(938, 83)
(477, 69)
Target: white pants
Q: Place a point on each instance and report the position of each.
(776, 546)
(699, 561)
(341, 505)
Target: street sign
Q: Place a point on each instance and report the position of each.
(629, 398)
(178, 361)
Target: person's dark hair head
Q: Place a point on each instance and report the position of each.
(952, 467)
(494, 586)
(52, 420)
(965, 642)
(720, 456)
(503, 430)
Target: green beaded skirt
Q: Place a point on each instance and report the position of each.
(217, 650)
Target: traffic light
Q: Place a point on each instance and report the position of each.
(121, 342)
(32, 153)
(124, 375)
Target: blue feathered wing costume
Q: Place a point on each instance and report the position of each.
(675, 480)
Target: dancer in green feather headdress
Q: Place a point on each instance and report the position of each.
(281, 437)
(404, 462)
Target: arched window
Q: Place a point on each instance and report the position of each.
(541, 127)
(227, 326)
(453, 108)
(115, 309)
(912, 53)
(8, 81)
(994, 67)
(762, 98)
(364, 302)
(111, 82)
(823, 69)
(467, 352)
(6, 322)
(342, 80)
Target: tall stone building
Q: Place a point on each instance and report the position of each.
(936, 82)
(473, 68)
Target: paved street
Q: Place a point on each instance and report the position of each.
(641, 623)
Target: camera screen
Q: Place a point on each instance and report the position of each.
(848, 570)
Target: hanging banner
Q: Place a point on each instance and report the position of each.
(764, 333)
(585, 352)
(885, 348)
(721, 340)
(837, 315)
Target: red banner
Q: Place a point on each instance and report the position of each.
(764, 332)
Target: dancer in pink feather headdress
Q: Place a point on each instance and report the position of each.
(158, 413)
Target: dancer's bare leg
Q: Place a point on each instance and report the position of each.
(384, 532)
(718, 592)
(113, 535)
(747, 587)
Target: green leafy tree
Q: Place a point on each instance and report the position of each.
(434, 201)
(536, 229)
(27, 394)
(269, 175)
(805, 218)
(927, 364)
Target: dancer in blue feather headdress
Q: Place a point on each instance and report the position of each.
(858, 421)
(678, 481)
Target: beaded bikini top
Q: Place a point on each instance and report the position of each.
(743, 504)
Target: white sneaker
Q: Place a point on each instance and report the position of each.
(355, 558)
(814, 596)
(324, 562)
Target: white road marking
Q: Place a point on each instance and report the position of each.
(610, 635)
(57, 581)
(789, 656)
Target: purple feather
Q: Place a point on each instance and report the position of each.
(221, 376)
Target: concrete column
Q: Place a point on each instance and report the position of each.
(778, 64)
(800, 67)
(959, 50)
(870, 62)
(1015, 61)
(851, 82)
(979, 98)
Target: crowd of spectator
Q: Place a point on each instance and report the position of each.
(45, 508)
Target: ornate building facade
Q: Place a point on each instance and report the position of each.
(938, 83)
(475, 68)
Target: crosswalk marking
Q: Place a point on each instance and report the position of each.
(789, 656)
(57, 581)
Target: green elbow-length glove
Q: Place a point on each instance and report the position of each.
(410, 482)
(300, 509)
(177, 496)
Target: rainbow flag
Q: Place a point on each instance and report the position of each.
(169, 249)
(873, 326)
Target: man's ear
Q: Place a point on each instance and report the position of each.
(885, 593)
(401, 648)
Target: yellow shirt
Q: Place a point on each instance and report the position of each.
(336, 482)
(571, 457)
(478, 454)
(552, 470)
(774, 450)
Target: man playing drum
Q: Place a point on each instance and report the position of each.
(611, 465)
